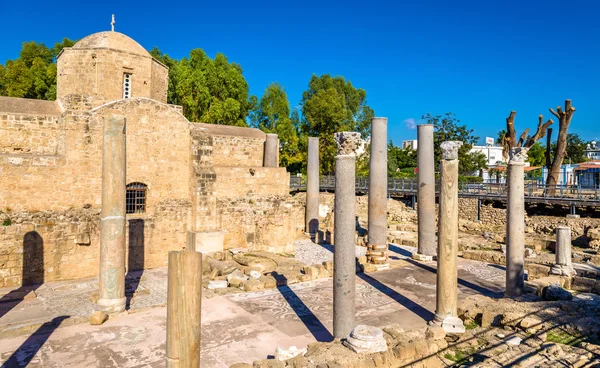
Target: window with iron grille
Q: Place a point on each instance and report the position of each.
(136, 198)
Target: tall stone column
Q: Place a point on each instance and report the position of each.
(271, 151)
(515, 224)
(563, 265)
(112, 217)
(344, 255)
(426, 193)
(447, 274)
(377, 249)
(312, 188)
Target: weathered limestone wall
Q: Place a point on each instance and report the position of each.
(238, 151)
(243, 181)
(98, 73)
(261, 222)
(44, 246)
(467, 210)
(160, 82)
(158, 144)
(30, 134)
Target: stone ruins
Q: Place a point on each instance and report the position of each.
(182, 244)
(219, 182)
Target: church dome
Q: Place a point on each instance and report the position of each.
(111, 40)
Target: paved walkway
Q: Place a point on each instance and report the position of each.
(235, 328)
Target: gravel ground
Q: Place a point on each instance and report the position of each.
(311, 253)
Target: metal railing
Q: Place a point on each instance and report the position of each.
(533, 189)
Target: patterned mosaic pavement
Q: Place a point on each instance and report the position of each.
(236, 328)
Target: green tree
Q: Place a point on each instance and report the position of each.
(211, 91)
(576, 148)
(536, 155)
(447, 128)
(33, 74)
(272, 115)
(329, 105)
(400, 159)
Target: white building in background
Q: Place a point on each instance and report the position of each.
(411, 143)
(493, 156)
(592, 152)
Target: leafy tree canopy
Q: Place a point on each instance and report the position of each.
(576, 148)
(447, 128)
(210, 90)
(33, 73)
(329, 105)
(401, 161)
(536, 155)
(272, 115)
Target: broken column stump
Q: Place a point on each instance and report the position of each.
(184, 296)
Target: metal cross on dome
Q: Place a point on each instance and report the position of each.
(112, 23)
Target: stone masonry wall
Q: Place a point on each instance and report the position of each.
(261, 222)
(37, 247)
(242, 181)
(467, 210)
(31, 134)
(98, 73)
(238, 151)
(160, 82)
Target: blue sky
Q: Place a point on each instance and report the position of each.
(478, 59)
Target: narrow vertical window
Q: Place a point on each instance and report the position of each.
(136, 198)
(126, 85)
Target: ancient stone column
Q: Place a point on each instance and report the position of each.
(377, 250)
(312, 188)
(271, 151)
(515, 224)
(447, 273)
(344, 255)
(184, 298)
(426, 193)
(112, 216)
(563, 265)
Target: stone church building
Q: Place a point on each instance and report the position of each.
(182, 176)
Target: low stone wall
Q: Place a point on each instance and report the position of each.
(467, 210)
(269, 223)
(37, 247)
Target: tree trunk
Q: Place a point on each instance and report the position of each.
(561, 145)
(548, 150)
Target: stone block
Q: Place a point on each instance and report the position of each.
(435, 333)
(530, 323)
(405, 351)
(269, 281)
(328, 266)
(253, 285)
(311, 271)
(98, 318)
(209, 241)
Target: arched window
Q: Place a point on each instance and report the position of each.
(136, 198)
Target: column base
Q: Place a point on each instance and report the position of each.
(366, 339)
(562, 270)
(112, 305)
(573, 216)
(377, 254)
(450, 324)
(422, 257)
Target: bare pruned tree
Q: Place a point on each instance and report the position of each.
(524, 140)
(564, 120)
